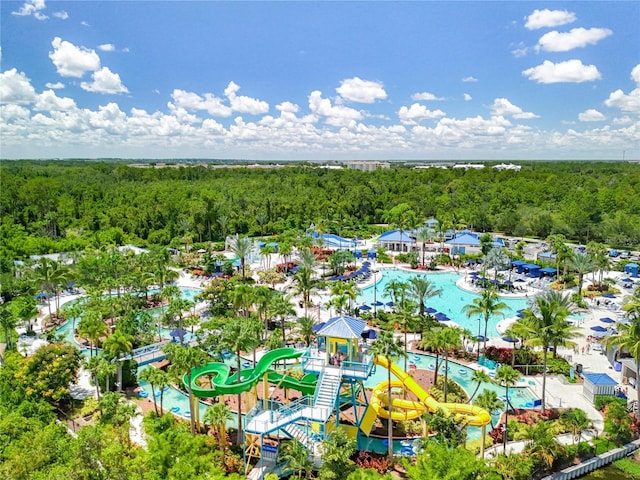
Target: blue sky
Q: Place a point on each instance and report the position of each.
(320, 80)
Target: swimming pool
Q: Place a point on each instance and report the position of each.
(450, 302)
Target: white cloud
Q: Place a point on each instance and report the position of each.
(105, 81)
(84, 23)
(32, 7)
(417, 112)
(549, 18)
(54, 86)
(467, 97)
(62, 15)
(336, 115)
(627, 103)
(244, 104)
(571, 71)
(107, 47)
(72, 61)
(362, 91)
(426, 96)
(469, 79)
(503, 107)
(625, 120)
(16, 88)
(520, 50)
(49, 101)
(591, 115)
(576, 38)
(193, 102)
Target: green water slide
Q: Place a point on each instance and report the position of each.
(223, 383)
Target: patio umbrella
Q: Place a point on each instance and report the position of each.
(441, 317)
(378, 303)
(626, 279)
(178, 332)
(608, 295)
(364, 307)
(520, 280)
(389, 304)
(430, 310)
(494, 282)
(508, 282)
(481, 338)
(41, 295)
(510, 339)
(370, 334)
(318, 326)
(607, 320)
(598, 328)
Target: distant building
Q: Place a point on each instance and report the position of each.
(367, 166)
(467, 166)
(504, 166)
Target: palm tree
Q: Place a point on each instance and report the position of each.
(305, 283)
(487, 304)
(92, 327)
(305, 329)
(241, 247)
(628, 339)
(115, 345)
(243, 296)
(280, 307)
(388, 347)
(421, 289)
(217, 415)
(157, 379)
(183, 360)
(497, 259)
(582, 264)
(25, 309)
(479, 376)
(8, 321)
(100, 367)
(434, 343)
(450, 341)
(295, 457)
(508, 376)
(488, 399)
(544, 447)
(546, 319)
(423, 235)
(577, 421)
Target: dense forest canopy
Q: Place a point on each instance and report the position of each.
(49, 206)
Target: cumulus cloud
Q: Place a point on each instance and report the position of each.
(469, 79)
(16, 88)
(105, 81)
(54, 86)
(467, 97)
(62, 15)
(362, 91)
(193, 102)
(48, 101)
(503, 107)
(243, 104)
(32, 7)
(571, 71)
(107, 47)
(548, 18)
(426, 96)
(575, 38)
(336, 115)
(627, 103)
(591, 115)
(417, 112)
(72, 61)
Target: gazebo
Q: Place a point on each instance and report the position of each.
(342, 336)
(598, 384)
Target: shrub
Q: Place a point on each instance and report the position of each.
(601, 401)
(367, 460)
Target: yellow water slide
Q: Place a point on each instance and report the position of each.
(411, 409)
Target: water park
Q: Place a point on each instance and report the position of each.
(380, 349)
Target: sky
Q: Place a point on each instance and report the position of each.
(311, 80)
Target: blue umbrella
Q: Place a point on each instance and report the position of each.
(430, 310)
(41, 295)
(608, 295)
(598, 328)
(510, 339)
(607, 320)
(627, 279)
(390, 304)
(441, 317)
(364, 307)
(378, 303)
(178, 333)
(481, 338)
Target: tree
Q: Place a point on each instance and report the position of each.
(628, 339)
(388, 347)
(100, 368)
(440, 462)
(92, 327)
(487, 305)
(479, 376)
(617, 424)
(305, 329)
(421, 289)
(497, 259)
(488, 399)
(304, 284)
(582, 264)
(295, 457)
(544, 448)
(241, 248)
(547, 322)
(337, 449)
(183, 360)
(24, 308)
(449, 339)
(158, 379)
(442, 428)
(8, 322)
(508, 377)
(577, 421)
(217, 415)
(116, 345)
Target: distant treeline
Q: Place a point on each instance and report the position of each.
(51, 206)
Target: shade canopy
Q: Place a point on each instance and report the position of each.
(364, 307)
(378, 303)
(599, 328)
(607, 320)
(178, 332)
(343, 327)
(318, 326)
(430, 310)
(510, 339)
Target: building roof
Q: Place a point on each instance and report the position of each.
(600, 379)
(343, 327)
(394, 236)
(465, 239)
